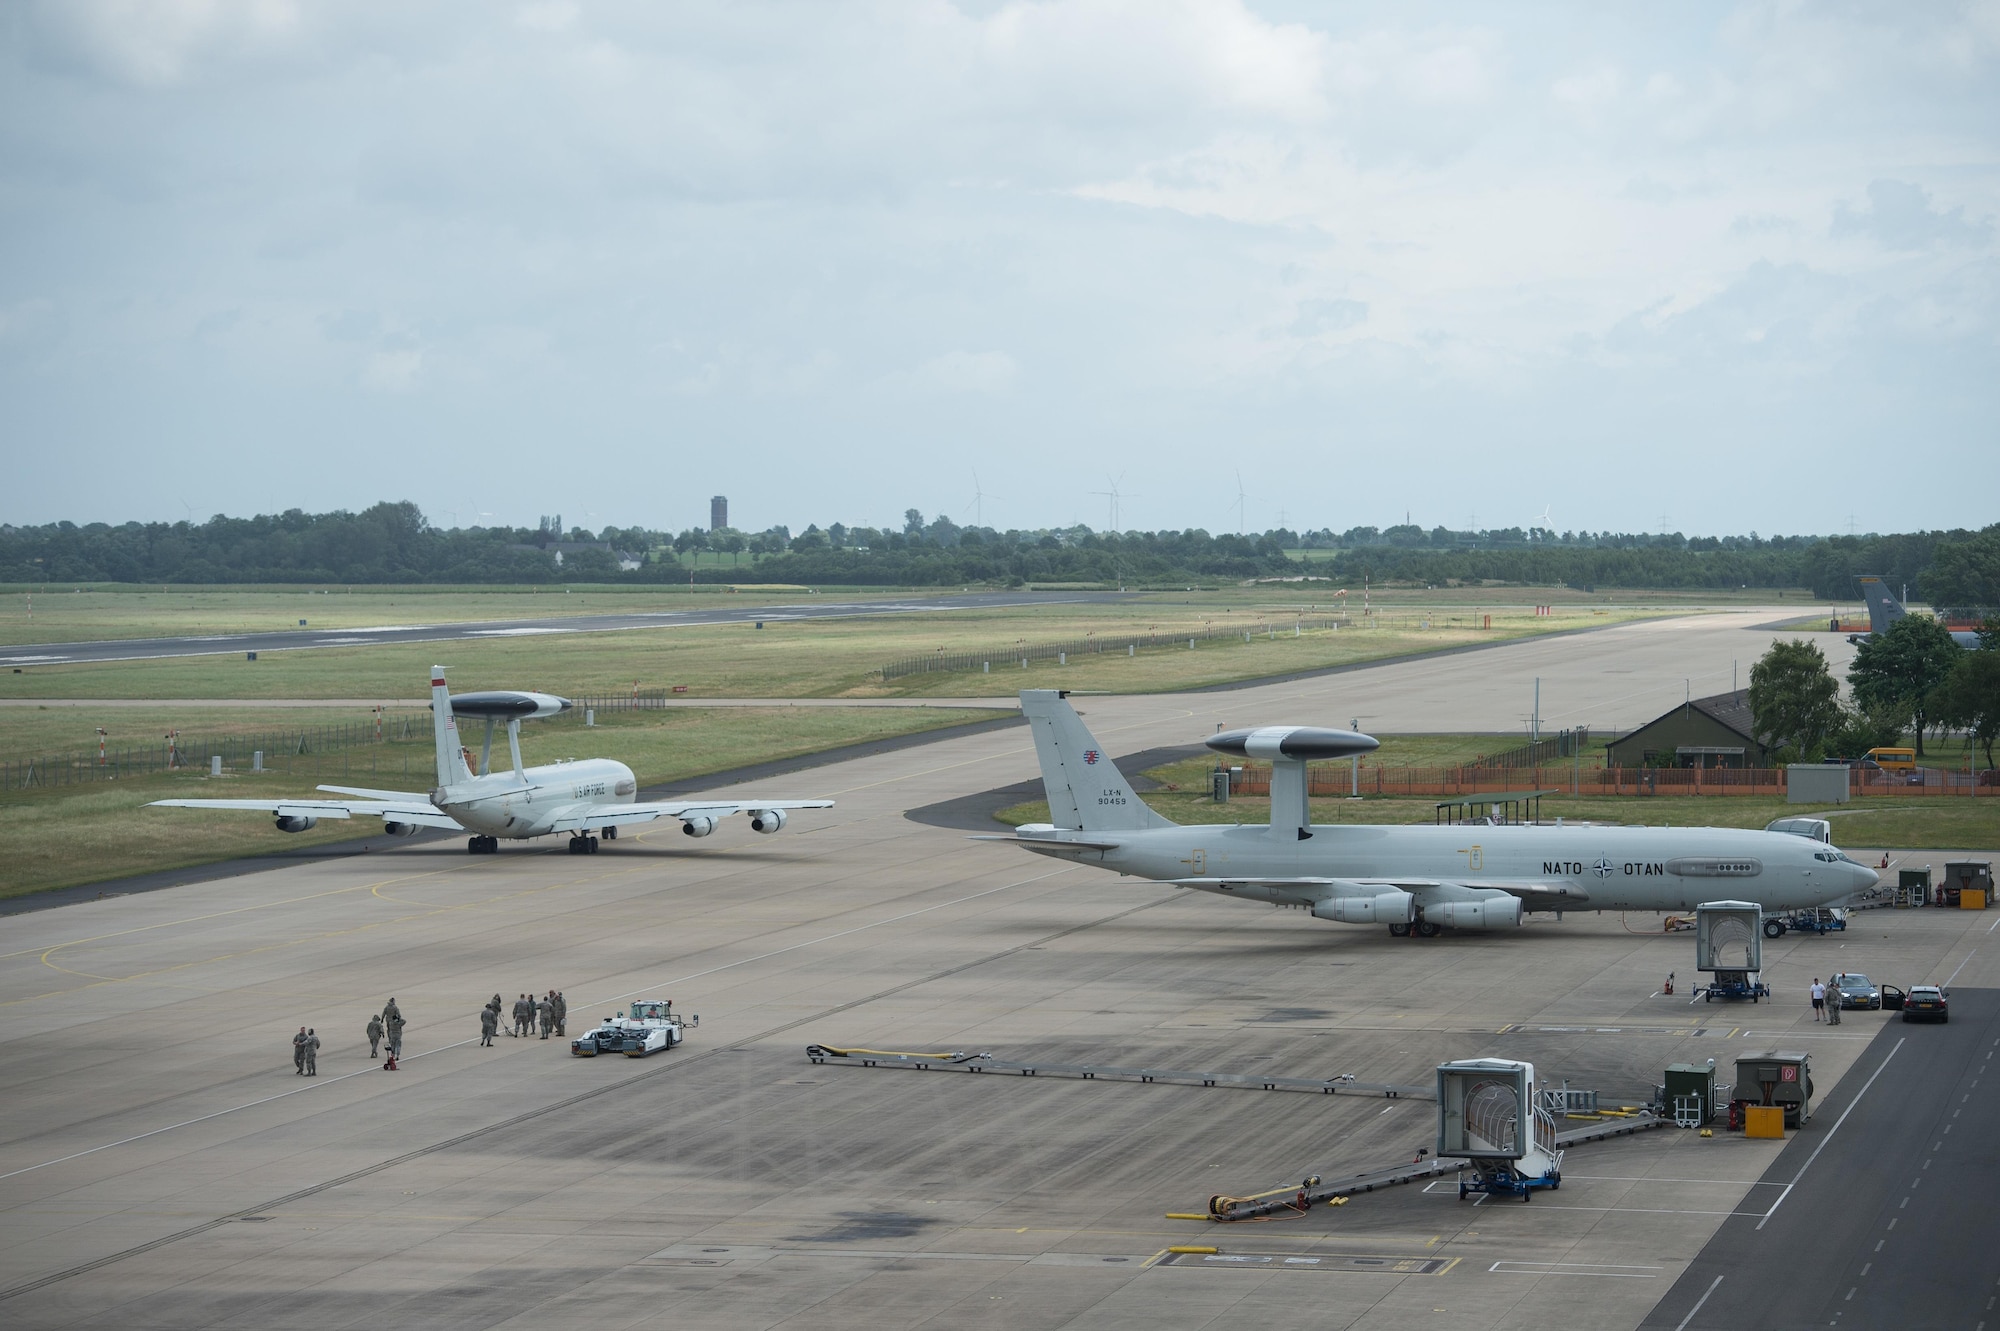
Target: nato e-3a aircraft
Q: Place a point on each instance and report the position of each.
(1414, 879)
(588, 798)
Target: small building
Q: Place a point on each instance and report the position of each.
(1702, 732)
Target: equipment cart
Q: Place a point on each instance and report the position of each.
(1490, 1116)
(1734, 985)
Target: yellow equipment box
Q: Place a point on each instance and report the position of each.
(1971, 898)
(1764, 1121)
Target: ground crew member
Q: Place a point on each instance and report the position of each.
(299, 1053)
(547, 1012)
(392, 1021)
(1833, 999)
(562, 1010)
(1818, 999)
(375, 1037)
(520, 1013)
(312, 1054)
(489, 1023)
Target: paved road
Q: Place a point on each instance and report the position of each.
(739, 611)
(1887, 1222)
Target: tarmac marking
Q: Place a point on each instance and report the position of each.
(1961, 965)
(1829, 1137)
(1575, 1269)
(1697, 1304)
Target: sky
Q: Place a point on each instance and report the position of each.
(1711, 268)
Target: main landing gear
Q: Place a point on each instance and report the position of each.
(1422, 929)
(583, 845)
(482, 845)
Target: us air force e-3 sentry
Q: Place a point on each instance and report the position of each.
(1414, 879)
(588, 798)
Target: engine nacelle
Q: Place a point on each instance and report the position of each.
(1489, 912)
(766, 820)
(698, 826)
(401, 829)
(288, 822)
(1393, 906)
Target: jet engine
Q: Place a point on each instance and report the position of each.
(291, 822)
(698, 826)
(1490, 911)
(767, 820)
(1393, 906)
(400, 829)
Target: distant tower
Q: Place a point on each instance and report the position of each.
(718, 513)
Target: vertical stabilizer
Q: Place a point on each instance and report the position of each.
(1085, 788)
(452, 770)
(1883, 609)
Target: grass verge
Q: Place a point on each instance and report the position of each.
(71, 835)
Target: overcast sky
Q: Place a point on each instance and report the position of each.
(1717, 267)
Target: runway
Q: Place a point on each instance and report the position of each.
(160, 1165)
(741, 610)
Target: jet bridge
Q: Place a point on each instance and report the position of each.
(1729, 941)
(1490, 1116)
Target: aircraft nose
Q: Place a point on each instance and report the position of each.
(1862, 876)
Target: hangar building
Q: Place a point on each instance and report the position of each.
(1703, 732)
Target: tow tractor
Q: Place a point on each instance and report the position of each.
(1825, 920)
(648, 1026)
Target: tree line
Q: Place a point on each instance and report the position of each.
(1912, 680)
(396, 543)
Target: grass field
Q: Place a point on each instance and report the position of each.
(86, 834)
(807, 658)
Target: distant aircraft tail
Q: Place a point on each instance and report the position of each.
(1085, 788)
(1883, 609)
(452, 770)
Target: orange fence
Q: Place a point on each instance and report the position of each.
(1332, 781)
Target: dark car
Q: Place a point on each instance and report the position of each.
(1858, 991)
(1926, 1003)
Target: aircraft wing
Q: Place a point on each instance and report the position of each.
(420, 812)
(1535, 895)
(399, 796)
(589, 817)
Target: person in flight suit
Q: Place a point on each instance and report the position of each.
(489, 1023)
(562, 1009)
(375, 1037)
(393, 1023)
(299, 1053)
(546, 1012)
(312, 1054)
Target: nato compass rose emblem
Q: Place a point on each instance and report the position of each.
(1603, 867)
(1090, 757)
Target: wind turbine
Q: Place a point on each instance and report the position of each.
(1241, 502)
(1114, 495)
(978, 504)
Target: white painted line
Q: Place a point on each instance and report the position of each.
(1697, 1305)
(1636, 1178)
(1575, 1269)
(1829, 1136)
(1961, 965)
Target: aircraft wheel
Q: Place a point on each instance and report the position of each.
(1399, 931)
(576, 845)
(1425, 929)
(1774, 928)
(610, 834)
(472, 845)
(1463, 1191)
(590, 845)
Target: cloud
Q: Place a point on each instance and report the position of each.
(968, 372)
(1328, 316)
(392, 371)
(1899, 216)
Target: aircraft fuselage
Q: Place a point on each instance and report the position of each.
(524, 804)
(1609, 868)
